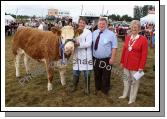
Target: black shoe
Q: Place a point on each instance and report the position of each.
(153, 67)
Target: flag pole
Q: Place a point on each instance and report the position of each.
(102, 10)
(81, 10)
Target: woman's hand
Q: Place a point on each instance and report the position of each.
(121, 65)
(140, 70)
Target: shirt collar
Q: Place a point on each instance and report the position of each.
(103, 31)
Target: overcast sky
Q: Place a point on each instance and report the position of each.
(75, 10)
(40, 8)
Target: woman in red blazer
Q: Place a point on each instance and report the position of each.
(134, 55)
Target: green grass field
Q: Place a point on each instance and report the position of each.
(34, 93)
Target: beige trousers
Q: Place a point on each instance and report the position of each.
(131, 85)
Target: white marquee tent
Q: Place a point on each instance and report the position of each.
(150, 18)
(9, 18)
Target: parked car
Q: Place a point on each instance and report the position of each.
(121, 30)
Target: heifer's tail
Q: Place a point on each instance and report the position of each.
(14, 48)
(15, 40)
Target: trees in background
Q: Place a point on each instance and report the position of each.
(140, 12)
(115, 17)
(20, 17)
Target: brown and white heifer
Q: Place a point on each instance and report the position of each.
(44, 46)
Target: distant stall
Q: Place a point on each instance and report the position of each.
(150, 18)
(10, 25)
(9, 19)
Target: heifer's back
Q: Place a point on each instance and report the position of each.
(43, 45)
(36, 43)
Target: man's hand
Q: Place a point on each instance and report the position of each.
(111, 61)
(113, 57)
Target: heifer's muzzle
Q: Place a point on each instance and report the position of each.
(63, 55)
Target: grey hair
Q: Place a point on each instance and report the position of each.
(135, 22)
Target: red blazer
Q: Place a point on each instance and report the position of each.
(135, 59)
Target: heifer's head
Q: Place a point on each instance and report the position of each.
(78, 32)
(56, 30)
(68, 38)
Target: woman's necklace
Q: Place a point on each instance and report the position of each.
(133, 39)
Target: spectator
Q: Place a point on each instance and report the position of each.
(104, 53)
(134, 55)
(83, 57)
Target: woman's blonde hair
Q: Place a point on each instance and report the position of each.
(135, 22)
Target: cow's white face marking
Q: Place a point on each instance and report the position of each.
(68, 33)
(69, 48)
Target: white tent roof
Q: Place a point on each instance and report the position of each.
(9, 18)
(150, 18)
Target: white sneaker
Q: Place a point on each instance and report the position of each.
(130, 102)
(121, 97)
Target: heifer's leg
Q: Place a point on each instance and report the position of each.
(26, 63)
(49, 70)
(17, 65)
(62, 75)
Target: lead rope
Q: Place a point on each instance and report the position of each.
(62, 53)
(87, 82)
(63, 60)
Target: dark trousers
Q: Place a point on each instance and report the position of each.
(102, 73)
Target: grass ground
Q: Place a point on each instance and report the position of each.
(34, 93)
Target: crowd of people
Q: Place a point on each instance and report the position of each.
(11, 26)
(148, 30)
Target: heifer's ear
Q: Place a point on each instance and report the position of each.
(56, 30)
(78, 32)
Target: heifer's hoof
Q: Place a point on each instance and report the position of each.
(130, 102)
(49, 86)
(29, 76)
